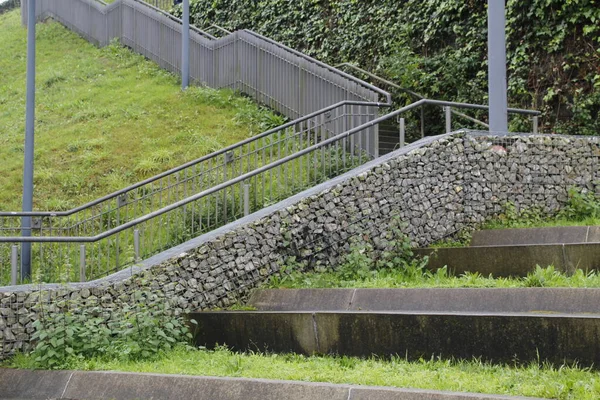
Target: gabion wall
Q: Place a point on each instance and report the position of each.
(437, 188)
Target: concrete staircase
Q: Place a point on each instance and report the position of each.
(515, 252)
(499, 325)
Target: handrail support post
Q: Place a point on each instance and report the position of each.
(402, 126)
(422, 122)
(185, 46)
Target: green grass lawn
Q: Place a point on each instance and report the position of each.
(105, 118)
(563, 382)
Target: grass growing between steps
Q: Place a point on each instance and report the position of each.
(413, 277)
(565, 382)
(105, 118)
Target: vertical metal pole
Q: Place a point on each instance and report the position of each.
(422, 122)
(82, 277)
(185, 46)
(402, 132)
(535, 124)
(246, 199)
(14, 256)
(497, 65)
(448, 112)
(29, 135)
(136, 244)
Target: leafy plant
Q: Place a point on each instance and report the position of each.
(391, 252)
(581, 206)
(541, 277)
(138, 328)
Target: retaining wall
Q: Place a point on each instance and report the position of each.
(438, 186)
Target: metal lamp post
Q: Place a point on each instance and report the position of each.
(497, 66)
(185, 45)
(29, 142)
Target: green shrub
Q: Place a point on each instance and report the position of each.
(581, 206)
(138, 329)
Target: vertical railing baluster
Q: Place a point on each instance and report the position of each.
(136, 244)
(82, 266)
(246, 199)
(14, 266)
(402, 127)
(448, 112)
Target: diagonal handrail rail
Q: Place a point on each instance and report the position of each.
(388, 96)
(174, 18)
(380, 79)
(337, 153)
(185, 165)
(102, 7)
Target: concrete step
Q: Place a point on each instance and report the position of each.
(514, 260)
(549, 235)
(499, 325)
(441, 300)
(110, 385)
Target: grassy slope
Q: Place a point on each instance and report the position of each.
(105, 117)
(471, 376)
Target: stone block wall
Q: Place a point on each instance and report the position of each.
(437, 186)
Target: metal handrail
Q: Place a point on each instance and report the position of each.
(295, 52)
(217, 153)
(186, 165)
(420, 97)
(382, 80)
(220, 28)
(387, 95)
(244, 177)
(174, 18)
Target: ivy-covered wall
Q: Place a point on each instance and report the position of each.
(438, 47)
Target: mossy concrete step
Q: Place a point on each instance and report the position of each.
(517, 260)
(473, 300)
(500, 325)
(548, 235)
(495, 337)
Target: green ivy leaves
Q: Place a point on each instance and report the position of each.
(438, 47)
